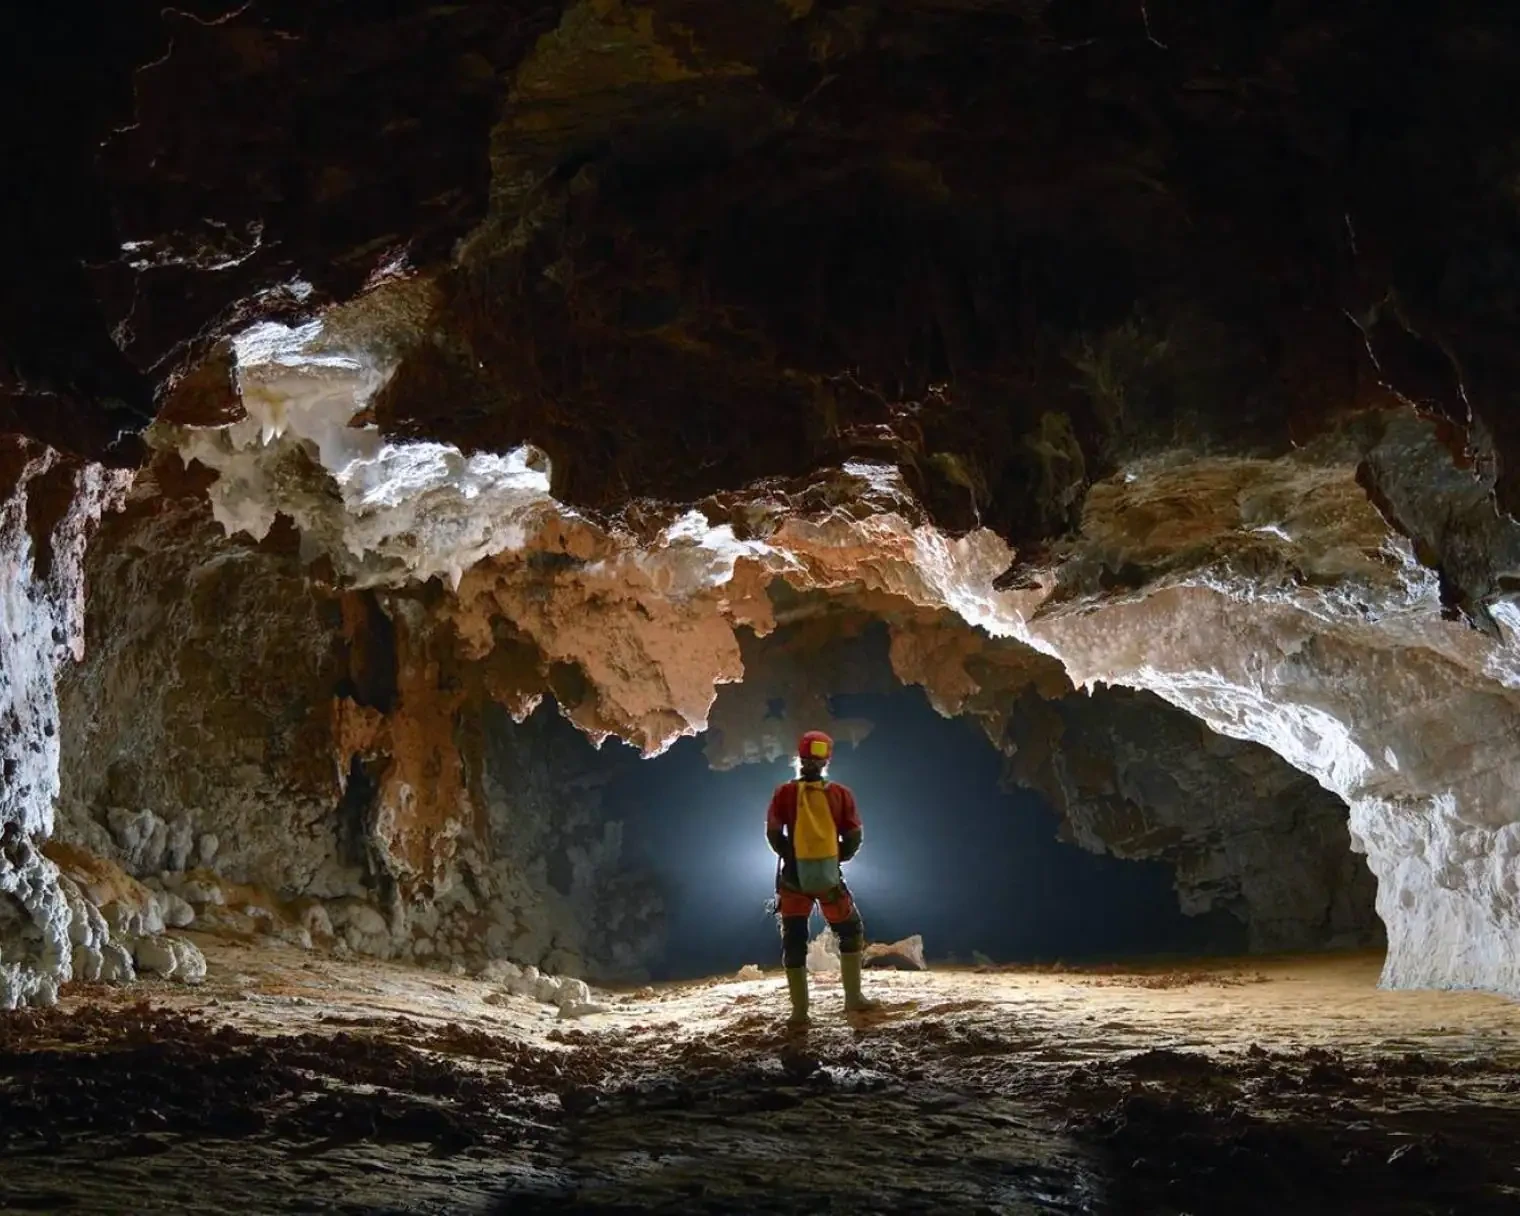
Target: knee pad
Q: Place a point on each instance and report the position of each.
(851, 932)
(794, 941)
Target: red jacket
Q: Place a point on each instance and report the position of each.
(781, 831)
(783, 808)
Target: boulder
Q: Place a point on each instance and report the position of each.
(189, 962)
(904, 955)
(86, 962)
(177, 912)
(155, 956)
(500, 971)
(366, 920)
(573, 992)
(171, 957)
(116, 964)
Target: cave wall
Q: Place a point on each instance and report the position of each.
(365, 768)
(195, 728)
(1188, 575)
(1273, 601)
(1174, 344)
(1126, 773)
(567, 895)
(1133, 776)
(294, 760)
(48, 507)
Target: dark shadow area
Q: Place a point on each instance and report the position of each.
(949, 854)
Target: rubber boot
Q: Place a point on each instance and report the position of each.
(797, 988)
(849, 976)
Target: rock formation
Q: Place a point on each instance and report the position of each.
(571, 345)
(48, 503)
(1133, 776)
(286, 758)
(1128, 773)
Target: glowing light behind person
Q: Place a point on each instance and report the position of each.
(948, 853)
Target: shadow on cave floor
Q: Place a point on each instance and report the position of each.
(296, 1083)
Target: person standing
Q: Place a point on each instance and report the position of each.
(813, 827)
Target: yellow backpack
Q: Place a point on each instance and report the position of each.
(815, 840)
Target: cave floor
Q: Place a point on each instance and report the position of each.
(291, 1082)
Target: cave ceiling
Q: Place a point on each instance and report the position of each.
(680, 247)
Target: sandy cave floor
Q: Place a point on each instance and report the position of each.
(291, 1082)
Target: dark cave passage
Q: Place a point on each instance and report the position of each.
(949, 854)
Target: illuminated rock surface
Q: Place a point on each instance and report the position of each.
(48, 504)
(906, 955)
(566, 354)
(398, 399)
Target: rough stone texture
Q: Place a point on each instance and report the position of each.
(120, 283)
(200, 707)
(904, 955)
(632, 626)
(559, 891)
(170, 957)
(48, 505)
(821, 648)
(280, 757)
(1176, 343)
(1129, 774)
(1135, 777)
(1299, 622)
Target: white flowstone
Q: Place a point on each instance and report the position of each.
(40, 956)
(41, 629)
(87, 926)
(402, 510)
(823, 952)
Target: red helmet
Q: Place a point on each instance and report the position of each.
(815, 747)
